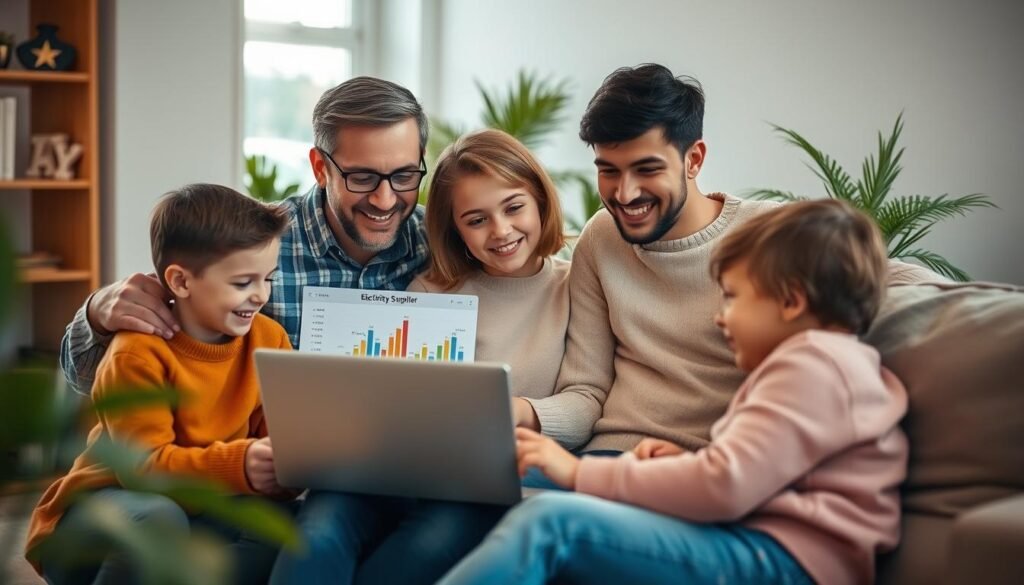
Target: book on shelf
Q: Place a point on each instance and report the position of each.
(37, 260)
(8, 121)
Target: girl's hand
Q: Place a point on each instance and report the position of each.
(651, 448)
(536, 450)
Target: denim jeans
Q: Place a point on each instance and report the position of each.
(100, 561)
(353, 538)
(574, 538)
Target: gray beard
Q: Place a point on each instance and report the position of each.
(353, 233)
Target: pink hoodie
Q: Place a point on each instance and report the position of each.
(808, 451)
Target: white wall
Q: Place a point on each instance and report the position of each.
(835, 71)
(171, 112)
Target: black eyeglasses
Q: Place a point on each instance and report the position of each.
(368, 181)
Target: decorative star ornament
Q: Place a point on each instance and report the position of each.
(46, 55)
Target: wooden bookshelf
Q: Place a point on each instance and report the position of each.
(65, 215)
(43, 184)
(32, 77)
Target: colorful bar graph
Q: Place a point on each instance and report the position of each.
(397, 346)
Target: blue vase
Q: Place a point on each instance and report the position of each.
(46, 52)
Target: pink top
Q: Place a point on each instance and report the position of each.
(808, 451)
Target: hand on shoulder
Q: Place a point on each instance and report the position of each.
(137, 303)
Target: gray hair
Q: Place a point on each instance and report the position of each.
(364, 101)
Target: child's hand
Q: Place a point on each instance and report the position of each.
(651, 448)
(536, 450)
(259, 467)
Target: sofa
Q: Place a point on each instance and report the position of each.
(959, 349)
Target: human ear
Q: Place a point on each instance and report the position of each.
(178, 280)
(316, 160)
(694, 159)
(794, 305)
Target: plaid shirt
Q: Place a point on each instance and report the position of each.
(310, 255)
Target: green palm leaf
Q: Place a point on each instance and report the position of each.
(900, 216)
(442, 134)
(937, 263)
(775, 195)
(903, 221)
(878, 177)
(529, 110)
(591, 198)
(261, 180)
(837, 181)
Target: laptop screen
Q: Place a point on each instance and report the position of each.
(388, 324)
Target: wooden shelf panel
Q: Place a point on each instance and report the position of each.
(8, 76)
(21, 184)
(41, 275)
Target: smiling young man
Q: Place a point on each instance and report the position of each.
(358, 227)
(643, 358)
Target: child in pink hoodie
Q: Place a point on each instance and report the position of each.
(799, 482)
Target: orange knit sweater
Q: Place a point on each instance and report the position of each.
(217, 417)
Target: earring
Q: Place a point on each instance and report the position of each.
(469, 256)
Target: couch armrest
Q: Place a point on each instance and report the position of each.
(987, 545)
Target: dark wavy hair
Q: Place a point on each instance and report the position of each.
(632, 100)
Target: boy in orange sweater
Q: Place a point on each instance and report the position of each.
(216, 252)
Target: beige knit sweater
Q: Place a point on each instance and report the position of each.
(521, 322)
(643, 356)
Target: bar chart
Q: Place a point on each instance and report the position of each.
(389, 325)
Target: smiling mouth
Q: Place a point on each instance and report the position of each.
(379, 218)
(244, 314)
(507, 249)
(636, 213)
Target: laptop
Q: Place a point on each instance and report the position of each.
(395, 427)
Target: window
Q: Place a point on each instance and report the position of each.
(294, 51)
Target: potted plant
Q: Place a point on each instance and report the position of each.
(261, 180)
(904, 221)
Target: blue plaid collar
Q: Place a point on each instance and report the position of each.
(322, 240)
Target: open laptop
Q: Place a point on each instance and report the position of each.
(438, 430)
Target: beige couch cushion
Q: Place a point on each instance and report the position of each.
(959, 349)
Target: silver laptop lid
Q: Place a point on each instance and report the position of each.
(390, 427)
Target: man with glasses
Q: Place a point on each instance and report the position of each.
(358, 227)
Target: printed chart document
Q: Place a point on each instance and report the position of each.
(388, 324)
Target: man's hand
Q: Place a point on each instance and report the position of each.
(259, 467)
(525, 415)
(536, 450)
(651, 448)
(137, 303)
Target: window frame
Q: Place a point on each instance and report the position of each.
(355, 38)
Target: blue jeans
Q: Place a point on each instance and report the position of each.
(353, 538)
(101, 561)
(574, 538)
